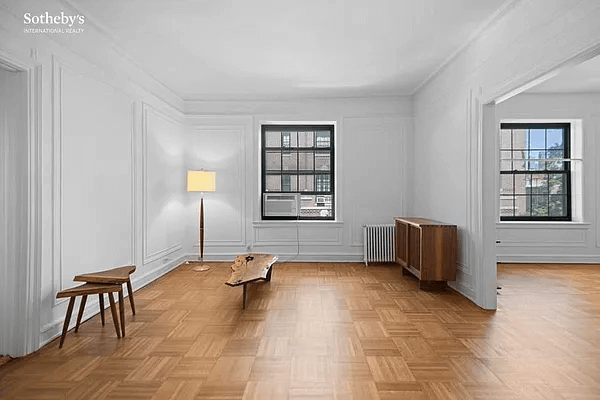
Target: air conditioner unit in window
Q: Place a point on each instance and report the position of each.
(281, 205)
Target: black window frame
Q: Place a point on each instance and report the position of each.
(331, 172)
(566, 171)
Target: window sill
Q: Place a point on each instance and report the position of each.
(284, 223)
(542, 224)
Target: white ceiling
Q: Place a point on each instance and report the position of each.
(235, 49)
(582, 78)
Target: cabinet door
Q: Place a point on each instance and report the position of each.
(401, 237)
(414, 247)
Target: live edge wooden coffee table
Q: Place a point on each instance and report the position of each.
(252, 267)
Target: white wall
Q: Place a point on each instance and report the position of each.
(372, 163)
(558, 242)
(13, 207)
(112, 162)
(455, 156)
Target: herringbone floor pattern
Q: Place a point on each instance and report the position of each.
(332, 331)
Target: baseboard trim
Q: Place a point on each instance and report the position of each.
(464, 290)
(285, 257)
(549, 258)
(52, 330)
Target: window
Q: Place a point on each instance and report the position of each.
(299, 159)
(535, 181)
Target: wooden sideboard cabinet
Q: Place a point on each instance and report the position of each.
(427, 249)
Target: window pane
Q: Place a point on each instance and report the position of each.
(293, 139)
(506, 184)
(507, 206)
(306, 139)
(537, 165)
(521, 183)
(555, 153)
(273, 161)
(289, 139)
(557, 183)
(558, 206)
(316, 206)
(538, 184)
(519, 139)
(539, 206)
(323, 139)
(505, 138)
(322, 162)
(273, 139)
(289, 183)
(290, 161)
(517, 156)
(305, 161)
(522, 206)
(273, 183)
(555, 139)
(505, 163)
(306, 183)
(537, 139)
(322, 183)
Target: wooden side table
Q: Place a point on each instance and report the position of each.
(84, 291)
(115, 276)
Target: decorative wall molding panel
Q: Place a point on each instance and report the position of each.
(92, 137)
(221, 148)
(379, 141)
(163, 184)
(308, 234)
(542, 237)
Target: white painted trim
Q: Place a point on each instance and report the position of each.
(549, 258)
(148, 258)
(162, 253)
(284, 257)
(463, 289)
(596, 126)
(57, 74)
(543, 225)
(463, 268)
(32, 293)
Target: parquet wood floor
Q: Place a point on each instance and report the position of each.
(332, 331)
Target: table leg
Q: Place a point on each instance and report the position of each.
(244, 297)
(81, 308)
(130, 292)
(122, 311)
(67, 320)
(113, 310)
(269, 274)
(101, 298)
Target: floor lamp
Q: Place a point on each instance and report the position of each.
(201, 181)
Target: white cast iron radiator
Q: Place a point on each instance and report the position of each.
(379, 243)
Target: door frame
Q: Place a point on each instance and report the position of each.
(485, 176)
(28, 290)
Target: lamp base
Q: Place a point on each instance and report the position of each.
(201, 268)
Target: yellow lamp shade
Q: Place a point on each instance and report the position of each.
(200, 181)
